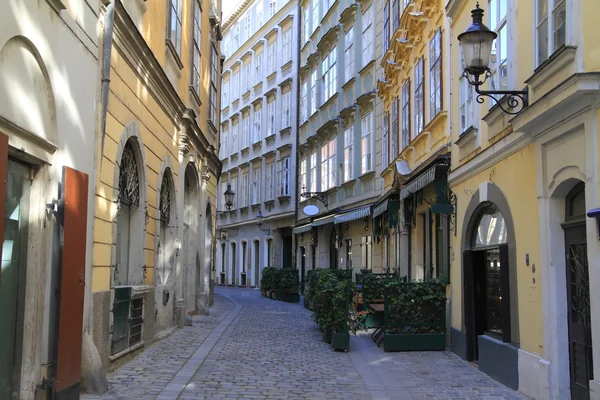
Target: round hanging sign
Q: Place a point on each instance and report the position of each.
(311, 210)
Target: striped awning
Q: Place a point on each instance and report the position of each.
(353, 215)
(302, 228)
(423, 180)
(323, 221)
(380, 209)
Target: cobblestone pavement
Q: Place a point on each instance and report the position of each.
(257, 348)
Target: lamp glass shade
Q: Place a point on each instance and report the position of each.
(259, 218)
(476, 44)
(229, 194)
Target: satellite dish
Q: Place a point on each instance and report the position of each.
(311, 210)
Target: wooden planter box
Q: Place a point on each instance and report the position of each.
(374, 320)
(306, 302)
(273, 295)
(291, 298)
(327, 334)
(340, 341)
(414, 342)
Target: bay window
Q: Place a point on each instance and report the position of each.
(385, 140)
(367, 36)
(349, 55)
(419, 112)
(328, 166)
(395, 132)
(435, 75)
(329, 71)
(349, 153)
(366, 159)
(312, 185)
(551, 24)
(499, 57)
(406, 114)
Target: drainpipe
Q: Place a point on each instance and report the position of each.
(109, 18)
(298, 60)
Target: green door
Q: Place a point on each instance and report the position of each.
(12, 285)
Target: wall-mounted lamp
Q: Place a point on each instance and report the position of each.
(595, 213)
(229, 195)
(321, 196)
(366, 222)
(476, 43)
(259, 222)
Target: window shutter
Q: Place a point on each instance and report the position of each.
(505, 290)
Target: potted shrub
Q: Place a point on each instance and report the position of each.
(268, 282)
(288, 285)
(415, 316)
(340, 339)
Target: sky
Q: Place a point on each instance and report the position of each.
(227, 6)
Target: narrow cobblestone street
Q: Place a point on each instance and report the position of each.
(251, 347)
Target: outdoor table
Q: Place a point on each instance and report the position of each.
(377, 307)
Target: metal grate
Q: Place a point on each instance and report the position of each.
(165, 200)
(136, 321)
(129, 184)
(120, 314)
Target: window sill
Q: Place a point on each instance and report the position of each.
(270, 138)
(257, 145)
(57, 5)
(195, 96)
(366, 67)
(304, 45)
(174, 53)
(349, 182)
(255, 206)
(330, 100)
(348, 83)
(286, 65)
(272, 75)
(246, 94)
(368, 174)
(303, 124)
(269, 203)
(244, 209)
(245, 151)
(557, 61)
(212, 126)
(257, 86)
(126, 351)
(285, 131)
(283, 198)
(467, 137)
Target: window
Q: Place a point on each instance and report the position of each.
(329, 74)
(313, 92)
(435, 75)
(466, 106)
(312, 187)
(349, 153)
(212, 111)
(235, 91)
(287, 45)
(246, 79)
(223, 149)
(366, 144)
(235, 190)
(174, 28)
(327, 5)
(395, 15)
(305, 20)
(315, 15)
(236, 36)
(551, 32)
(244, 191)
(405, 114)
(197, 45)
(234, 138)
(258, 69)
(286, 119)
(404, 5)
(303, 183)
(225, 95)
(256, 137)
(246, 132)
(385, 141)
(419, 97)
(498, 59)
(328, 166)
(349, 55)
(272, 57)
(395, 129)
(348, 253)
(271, 118)
(283, 177)
(259, 14)
(367, 36)
(256, 186)
(366, 244)
(270, 181)
(386, 26)
(246, 21)
(272, 7)
(304, 101)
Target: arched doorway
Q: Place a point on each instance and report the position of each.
(486, 273)
(166, 241)
(578, 294)
(191, 272)
(208, 251)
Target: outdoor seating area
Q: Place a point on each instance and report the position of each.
(400, 315)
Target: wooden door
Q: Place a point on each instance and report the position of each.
(72, 283)
(578, 300)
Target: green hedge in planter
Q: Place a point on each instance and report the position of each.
(331, 298)
(414, 342)
(280, 283)
(270, 280)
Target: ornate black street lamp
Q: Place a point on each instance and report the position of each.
(229, 195)
(259, 222)
(476, 43)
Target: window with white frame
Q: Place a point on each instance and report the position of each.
(212, 110)
(405, 4)
(244, 190)
(551, 29)
(234, 138)
(256, 134)
(286, 114)
(366, 247)
(270, 182)
(197, 45)
(385, 140)
(329, 73)
(272, 7)
(234, 188)
(419, 112)
(315, 15)
(395, 15)
(235, 91)
(258, 76)
(313, 92)
(225, 95)
(236, 36)
(499, 57)
(302, 183)
(386, 26)
(328, 166)
(174, 22)
(395, 133)
(327, 5)
(465, 98)
(271, 118)
(223, 149)
(312, 185)
(272, 57)
(304, 34)
(406, 114)
(349, 153)
(435, 74)
(283, 177)
(303, 101)
(367, 36)
(287, 46)
(366, 144)
(259, 14)
(246, 132)
(246, 79)
(256, 185)
(349, 55)
(247, 24)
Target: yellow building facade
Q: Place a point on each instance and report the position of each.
(155, 200)
(524, 299)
